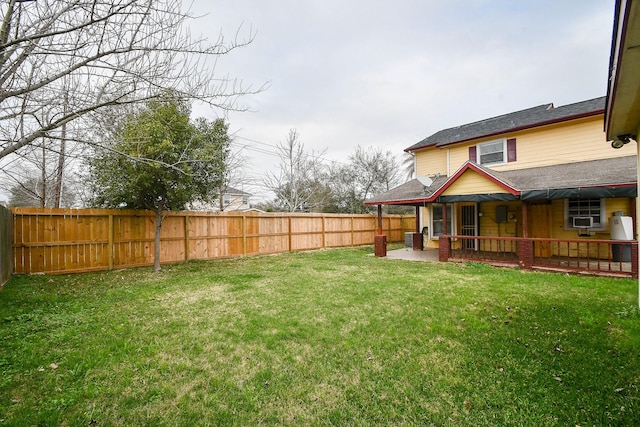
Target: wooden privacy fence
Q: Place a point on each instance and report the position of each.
(6, 260)
(79, 240)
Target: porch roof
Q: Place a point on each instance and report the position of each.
(616, 177)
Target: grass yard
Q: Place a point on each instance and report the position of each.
(333, 337)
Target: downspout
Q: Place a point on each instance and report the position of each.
(448, 162)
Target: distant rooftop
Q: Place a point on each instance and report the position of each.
(532, 117)
(231, 190)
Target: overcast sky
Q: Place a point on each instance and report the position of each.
(388, 73)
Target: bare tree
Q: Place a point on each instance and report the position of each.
(298, 183)
(98, 55)
(369, 171)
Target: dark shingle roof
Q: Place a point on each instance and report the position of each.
(524, 119)
(411, 190)
(594, 173)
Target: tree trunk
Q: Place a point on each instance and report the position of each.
(43, 177)
(63, 137)
(156, 246)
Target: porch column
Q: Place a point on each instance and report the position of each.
(525, 219)
(380, 240)
(634, 260)
(418, 242)
(526, 254)
(444, 220)
(632, 214)
(444, 248)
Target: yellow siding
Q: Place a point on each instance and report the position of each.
(431, 161)
(459, 155)
(577, 141)
(489, 226)
(611, 205)
(472, 183)
(574, 141)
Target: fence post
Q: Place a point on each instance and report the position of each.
(186, 237)
(244, 235)
(324, 239)
(352, 231)
(110, 248)
(6, 245)
(290, 235)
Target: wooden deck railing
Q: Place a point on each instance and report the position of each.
(611, 257)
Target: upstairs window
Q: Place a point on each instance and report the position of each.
(494, 152)
(491, 152)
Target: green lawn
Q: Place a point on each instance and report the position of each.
(333, 337)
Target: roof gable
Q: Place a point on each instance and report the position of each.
(496, 184)
(471, 182)
(525, 119)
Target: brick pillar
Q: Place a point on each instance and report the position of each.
(525, 254)
(634, 260)
(444, 248)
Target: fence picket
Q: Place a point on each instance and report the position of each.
(78, 240)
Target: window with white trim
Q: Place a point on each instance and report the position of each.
(593, 208)
(492, 152)
(436, 220)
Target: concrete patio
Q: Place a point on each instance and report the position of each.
(408, 254)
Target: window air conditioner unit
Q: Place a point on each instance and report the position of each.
(583, 222)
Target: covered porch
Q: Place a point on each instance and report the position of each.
(557, 218)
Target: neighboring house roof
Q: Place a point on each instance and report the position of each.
(525, 119)
(231, 190)
(615, 177)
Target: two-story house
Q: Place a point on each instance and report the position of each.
(231, 200)
(543, 172)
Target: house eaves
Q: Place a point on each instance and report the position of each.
(542, 115)
(622, 115)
